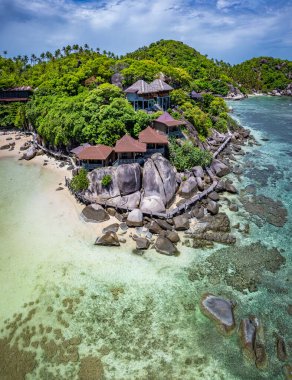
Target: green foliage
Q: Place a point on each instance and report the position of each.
(186, 155)
(200, 120)
(9, 114)
(217, 106)
(179, 97)
(262, 74)
(80, 181)
(106, 180)
(221, 125)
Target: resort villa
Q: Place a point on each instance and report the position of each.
(146, 96)
(168, 125)
(153, 139)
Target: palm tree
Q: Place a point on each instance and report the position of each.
(5, 52)
(57, 53)
(42, 56)
(33, 58)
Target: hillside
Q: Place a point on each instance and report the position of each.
(263, 74)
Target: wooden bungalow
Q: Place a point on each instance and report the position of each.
(92, 157)
(129, 150)
(156, 142)
(17, 94)
(168, 125)
(146, 96)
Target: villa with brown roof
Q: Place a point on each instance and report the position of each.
(168, 125)
(92, 157)
(129, 150)
(146, 96)
(155, 141)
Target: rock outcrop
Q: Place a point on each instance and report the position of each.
(219, 168)
(152, 203)
(129, 178)
(159, 179)
(97, 190)
(188, 188)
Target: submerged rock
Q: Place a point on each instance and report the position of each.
(220, 310)
(281, 349)
(247, 334)
(248, 265)
(266, 209)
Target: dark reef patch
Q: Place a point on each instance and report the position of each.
(239, 267)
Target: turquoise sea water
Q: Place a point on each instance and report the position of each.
(139, 315)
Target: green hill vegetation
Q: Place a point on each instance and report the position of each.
(263, 74)
(74, 101)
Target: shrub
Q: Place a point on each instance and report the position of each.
(80, 181)
(106, 180)
(186, 156)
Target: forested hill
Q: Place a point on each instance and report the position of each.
(200, 72)
(263, 74)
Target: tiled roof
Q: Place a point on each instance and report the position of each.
(97, 152)
(168, 120)
(79, 149)
(127, 144)
(151, 136)
(142, 87)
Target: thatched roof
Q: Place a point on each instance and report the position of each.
(142, 87)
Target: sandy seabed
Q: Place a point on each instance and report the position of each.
(72, 310)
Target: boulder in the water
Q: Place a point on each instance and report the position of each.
(220, 310)
(165, 246)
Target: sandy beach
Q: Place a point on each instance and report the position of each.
(61, 198)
